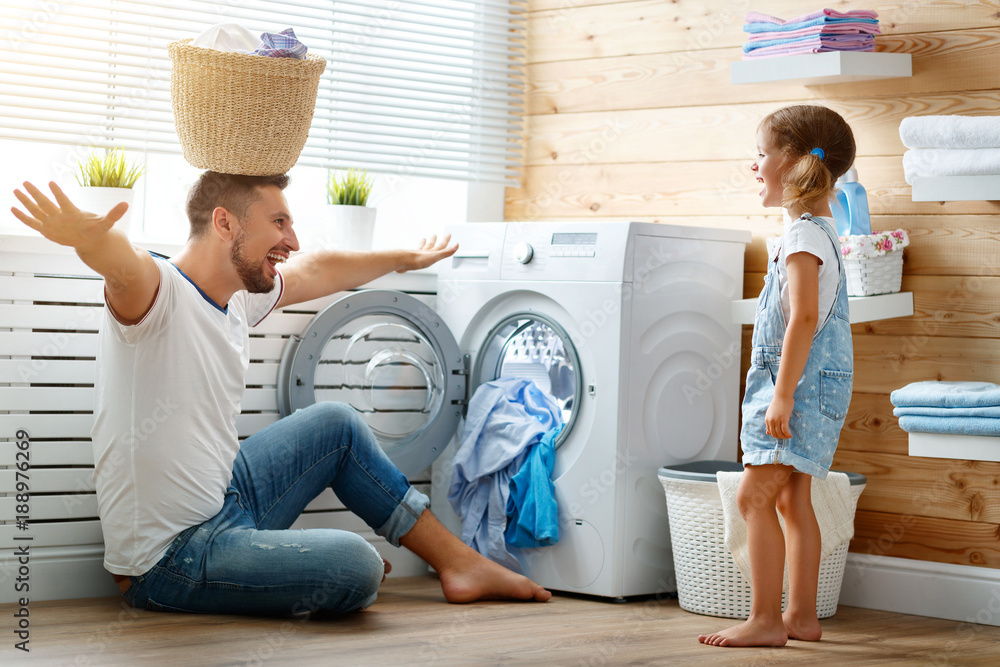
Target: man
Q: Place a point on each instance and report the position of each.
(193, 520)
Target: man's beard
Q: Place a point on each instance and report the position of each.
(253, 276)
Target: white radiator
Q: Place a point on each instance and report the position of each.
(50, 310)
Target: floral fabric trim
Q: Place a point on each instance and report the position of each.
(869, 246)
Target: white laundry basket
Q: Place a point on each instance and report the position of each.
(708, 581)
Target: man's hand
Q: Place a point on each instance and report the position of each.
(131, 277)
(429, 252)
(61, 221)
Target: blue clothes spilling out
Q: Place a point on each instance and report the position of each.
(957, 408)
(505, 419)
(532, 513)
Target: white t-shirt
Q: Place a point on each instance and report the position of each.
(805, 236)
(164, 437)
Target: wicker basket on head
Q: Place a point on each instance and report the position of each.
(242, 114)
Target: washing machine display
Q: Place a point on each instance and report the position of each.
(534, 347)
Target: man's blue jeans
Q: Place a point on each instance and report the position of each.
(245, 561)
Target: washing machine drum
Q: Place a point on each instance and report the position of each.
(392, 358)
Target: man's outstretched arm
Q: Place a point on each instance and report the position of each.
(131, 277)
(321, 272)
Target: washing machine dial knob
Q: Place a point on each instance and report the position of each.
(523, 252)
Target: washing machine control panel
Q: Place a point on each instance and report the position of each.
(563, 251)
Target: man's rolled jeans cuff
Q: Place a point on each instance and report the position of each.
(404, 517)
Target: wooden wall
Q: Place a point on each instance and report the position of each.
(630, 115)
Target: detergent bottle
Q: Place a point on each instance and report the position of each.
(850, 209)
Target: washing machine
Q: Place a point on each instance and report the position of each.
(627, 325)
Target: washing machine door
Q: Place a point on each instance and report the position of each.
(532, 345)
(393, 359)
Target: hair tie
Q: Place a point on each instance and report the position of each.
(818, 152)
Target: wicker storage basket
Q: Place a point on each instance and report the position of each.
(242, 114)
(878, 275)
(708, 581)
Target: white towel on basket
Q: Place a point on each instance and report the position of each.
(831, 499)
(950, 131)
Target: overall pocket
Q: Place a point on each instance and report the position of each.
(835, 392)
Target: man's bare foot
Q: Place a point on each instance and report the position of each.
(387, 568)
(475, 577)
(751, 632)
(804, 629)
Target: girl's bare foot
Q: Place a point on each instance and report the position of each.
(476, 577)
(752, 632)
(802, 628)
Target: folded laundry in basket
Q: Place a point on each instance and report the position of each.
(950, 425)
(505, 418)
(227, 37)
(283, 44)
(950, 131)
(831, 500)
(952, 394)
(921, 162)
(532, 513)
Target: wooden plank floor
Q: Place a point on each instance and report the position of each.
(411, 624)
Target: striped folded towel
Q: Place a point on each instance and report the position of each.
(757, 22)
(852, 28)
(833, 41)
(281, 45)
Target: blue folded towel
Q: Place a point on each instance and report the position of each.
(992, 411)
(532, 512)
(763, 26)
(950, 425)
(934, 394)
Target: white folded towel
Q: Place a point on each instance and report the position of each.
(228, 37)
(921, 162)
(831, 500)
(950, 131)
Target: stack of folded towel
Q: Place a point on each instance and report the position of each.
(823, 30)
(950, 146)
(957, 408)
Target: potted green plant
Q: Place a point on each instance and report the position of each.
(352, 221)
(106, 177)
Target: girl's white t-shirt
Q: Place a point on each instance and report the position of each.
(806, 236)
(168, 392)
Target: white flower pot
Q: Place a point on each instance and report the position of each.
(342, 228)
(102, 200)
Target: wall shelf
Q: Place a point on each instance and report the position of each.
(956, 188)
(863, 308)
(949, 446)
(813, 69)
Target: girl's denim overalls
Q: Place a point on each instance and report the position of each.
(823, 392)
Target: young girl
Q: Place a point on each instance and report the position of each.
(801, 370)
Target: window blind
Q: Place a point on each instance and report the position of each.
(417, 87)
